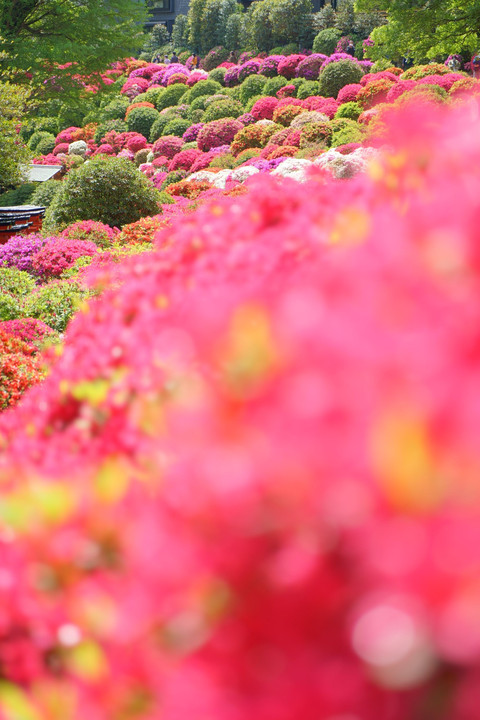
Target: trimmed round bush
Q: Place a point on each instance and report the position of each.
(116, 108)
(167, 146)
(205, 87)
(338, 74)
(170, 96)
(110, 190)
(177, 127)
(346, 135)
(326, 41)
(218, 74)
(222, 109)
(54, 303)
(141, 119)
(46, 145)
(349, 93)
(99, 233)
(263, 108)
(253, 85)
(288, 66)
(350, 110)
(273, 85)
(309, 68)
(59, 254)
(308, 88)
(37, 137)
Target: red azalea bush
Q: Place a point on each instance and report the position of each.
(31, 331)
(136, 143)
(253, 136)
(184, 159)
(288, 66)
(286, 91)
(383, 75)
(249, 487)
(60, 148)
(328, 106)
(91, 230)
(168, 146)
(144, 103)
(59, 254)
(19, 370)
(179, 78)
(348, 93)
(399, 88)
(190, 189)
(142, 231)
(217, 133)
(264, 107)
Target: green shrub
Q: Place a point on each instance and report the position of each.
(273, 85)
(346, 135)
(224, 162)
(110, 190)
(54, 303)
(308, 89)
(37, 137)
(199, 103)
(350, 110)
(326, 41)
(45, 192)
(48, 124)
(204, 87)
(141, 156)
(222, 109)
(173, 177)
(161, 122)
(16, 282)
(233, 92)
(170, 96)
(141, 119)
(20, 196)
(338, 74)
(152, 95)
(176, 127)
(46, 145)
(218, 74)
(195, 116)
(9, 306)
(117, 125)
(116, 109)
(252, 85)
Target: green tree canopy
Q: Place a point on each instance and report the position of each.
(13, 153)
(36, 36)
(424, 29)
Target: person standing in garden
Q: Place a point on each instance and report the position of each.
(174, 58)
(476, 66)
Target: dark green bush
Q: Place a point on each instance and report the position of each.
(46, 145)
(326, 41)
(110, 190)
(218, 74)
(308, 89)
(176, 127)
(141, 119)
(48, 124)
(252, 85)
(338, 74)
(36, 138)
(20, 196)
(45, 192)
(116, 109)
(117, 125)
(273, 85)
(195, 116)
(314, 133)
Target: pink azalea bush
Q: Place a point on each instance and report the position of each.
(59, 254)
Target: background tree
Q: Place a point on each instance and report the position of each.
(36, 36)
(180, 32)
(424, 29)
(13, 153)
(235, 32)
